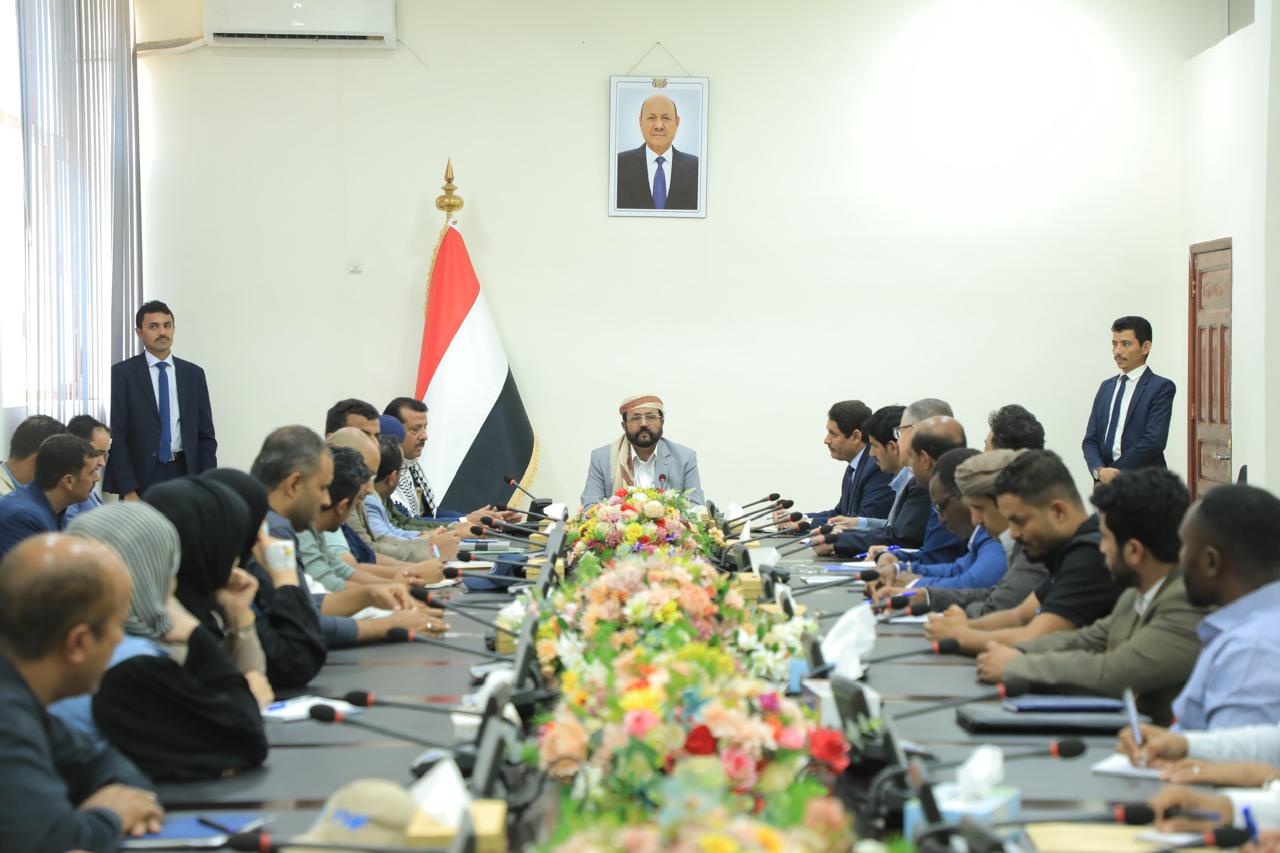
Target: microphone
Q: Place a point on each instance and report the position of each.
(1063, 749)
(853, 576)
(1224, 837)
(742, 519)
(477, 530)
(403, 635)
(662, 482)
(773, 496)
(1010, 688)
(500, 579)
(365, 699)
(512, 481)
(453, 608)
(507, 507)
(490, 521)
(265, 842)
(938, 647)
(800, 529)
(811, 541)
(330, 714)
(1128, 814)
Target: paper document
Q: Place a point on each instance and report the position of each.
(832, 579)
(859, 564)
(470, 565)
(1119, 765)
(908, 620)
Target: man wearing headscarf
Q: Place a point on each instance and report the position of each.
(642, 457)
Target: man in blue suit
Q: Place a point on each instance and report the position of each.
(1129, 425)
(66, 472)
(865, 490)
(161, 419)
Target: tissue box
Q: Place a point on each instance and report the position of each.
(504, 643)
(489, 817)
(750, 586)
(1002, 804)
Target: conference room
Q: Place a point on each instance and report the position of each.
(718, 426)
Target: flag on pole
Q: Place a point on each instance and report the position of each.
(478, 433)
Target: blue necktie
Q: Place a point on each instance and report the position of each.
(846, 492)
(1110, 441)
(660, 185)
(166, 432)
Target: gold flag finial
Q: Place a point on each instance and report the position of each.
(449, 202)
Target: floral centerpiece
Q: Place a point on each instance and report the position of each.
(624, 730)
(637, 520)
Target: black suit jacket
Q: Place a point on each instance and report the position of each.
(635, 192)
(907, 523)
(865, 491)
(135, 424)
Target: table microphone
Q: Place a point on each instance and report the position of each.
(265, 842)
(1065, 749)
(366, 699)
(403, 635)
(330, 714)
(822, 538)
(772, 497)
(1009, 689)
(864, 575)
(761, 513)
(512, 481)
(938, 647)
(431, 601)
(499, 524)
(477, 530)
(509, 508)
(1224, 837)
(801, 527)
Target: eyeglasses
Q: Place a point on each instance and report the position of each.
(898, 431)
(647, 418)
(942, 507)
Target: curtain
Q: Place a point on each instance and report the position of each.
(83, 277)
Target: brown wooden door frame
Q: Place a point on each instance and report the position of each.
(1195, 391)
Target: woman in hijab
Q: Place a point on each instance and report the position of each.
(172, 700)
(288, 621)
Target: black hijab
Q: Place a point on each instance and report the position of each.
(211, 520)
(254, 494)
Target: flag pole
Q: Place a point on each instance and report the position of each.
(450, 203)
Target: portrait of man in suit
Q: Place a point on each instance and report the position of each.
(662, 174)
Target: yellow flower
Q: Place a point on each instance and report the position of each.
(569, 681)
(668, 612)
(633, 532)
(643, 699)
(718, 844)
(769, 839)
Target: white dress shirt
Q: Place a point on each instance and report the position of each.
(645, 474)
(1143, 601)
(175, 416)
(652, 158)
(853, 463)
(1134, 375)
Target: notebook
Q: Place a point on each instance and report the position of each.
(1116, 764)
(188, 831)
(1064, 704)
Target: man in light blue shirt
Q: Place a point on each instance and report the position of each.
(1231, 558)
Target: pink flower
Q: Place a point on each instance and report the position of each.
(740, 768)
(791, 737)
(638, 722)
(769, 702)
(613, 538)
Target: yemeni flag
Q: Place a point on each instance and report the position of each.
(479, 432)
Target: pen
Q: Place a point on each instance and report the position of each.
(213, 824)
(1131, 708)
(892, 549)
(1249, 823)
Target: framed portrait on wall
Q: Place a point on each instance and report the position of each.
(658, 146)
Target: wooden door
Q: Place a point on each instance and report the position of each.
(1209, 368)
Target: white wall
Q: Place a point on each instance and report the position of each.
(906, 199)
(1227, 151)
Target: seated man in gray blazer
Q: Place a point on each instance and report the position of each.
(642, 457)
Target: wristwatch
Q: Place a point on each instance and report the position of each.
(1096, 478)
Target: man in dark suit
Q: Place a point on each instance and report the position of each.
(161, 419)
(865, 490)
(66, 472)
(656, 176)
(1129, 424)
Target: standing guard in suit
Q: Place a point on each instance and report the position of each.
(656, 176)
(865, 490)
(1129, 425)
(642, 457)
(161, 419)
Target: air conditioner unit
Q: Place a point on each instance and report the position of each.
(300, 23)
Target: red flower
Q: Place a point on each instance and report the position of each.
(828, 746)
(700, 741)
(621, 493)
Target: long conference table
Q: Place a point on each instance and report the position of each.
(309, 760)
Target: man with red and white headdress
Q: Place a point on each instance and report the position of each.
(642, 457)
